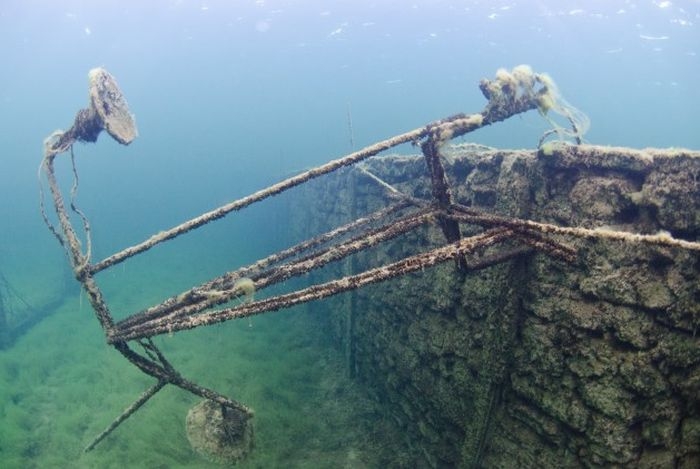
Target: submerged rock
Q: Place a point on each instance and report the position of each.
(218, 433)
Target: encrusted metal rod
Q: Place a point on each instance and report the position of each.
(355, 244)
(531, 237)
(171, 376)
(283, 272)
(150, 392)
(511, 93)
(78, 259)
(316, 292)
(227, 280)
(505, 99)
(508, 95)
(74, 249)
(275, 189)
(545, 245)
(440, 187)
(479, 218)
(391, 191)
(379, 215)
(441, 192)
(165, 374)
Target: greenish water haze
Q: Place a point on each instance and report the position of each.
(231, 96)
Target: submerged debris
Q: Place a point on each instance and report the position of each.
(218, 433)
(215, 429)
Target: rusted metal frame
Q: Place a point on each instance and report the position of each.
(354, 226)
(356, 243)
(165, 374)
(473, 216)
(83, 218)
(78, 260)
(315, 292)
(507, 103)
(441, 192)
(202, 301)
(171, 376)
(497, 109)
(528, 231)
(483, 219)
(501, 107)
(390, 191)
(227, 280)
(272, 190)
(69, 236)
(155, 354)
(450, 127)
(164, 371)
(530, 236)
(136, 405)
(548, 246)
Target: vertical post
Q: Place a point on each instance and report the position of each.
(441, 192)
(351, 266)
(4, 333)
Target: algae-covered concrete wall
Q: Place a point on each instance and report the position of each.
(532, 362)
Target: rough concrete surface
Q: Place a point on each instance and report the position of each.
(532, 362)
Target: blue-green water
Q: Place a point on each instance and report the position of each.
(230, 96)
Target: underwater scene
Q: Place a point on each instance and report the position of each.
(349, 234)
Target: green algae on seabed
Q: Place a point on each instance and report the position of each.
(60, 385)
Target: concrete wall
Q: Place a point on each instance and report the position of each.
(532, 362)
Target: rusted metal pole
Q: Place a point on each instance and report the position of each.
(316, 292)
(275, 189)
(226, 281)
(136, 405)
(189, 305)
